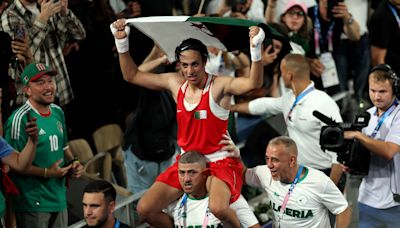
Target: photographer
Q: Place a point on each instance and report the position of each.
(379, 200)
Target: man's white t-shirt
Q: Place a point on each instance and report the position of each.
(196, 210)
(193, 213)
(311, 199)
(303, 127)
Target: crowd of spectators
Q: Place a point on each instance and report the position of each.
(335, 47)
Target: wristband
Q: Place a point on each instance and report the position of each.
(45, 173)
(255, 52)
(122, 45)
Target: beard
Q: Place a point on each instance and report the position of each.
(100, 223)
(43, 101)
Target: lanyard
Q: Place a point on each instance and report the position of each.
(180, 213)
(298, 98)
(318, 33)
(116, 225)
(383, 117)
(394, 12)
(205, 221)
(285, 201)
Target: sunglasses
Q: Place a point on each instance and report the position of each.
(298, 13)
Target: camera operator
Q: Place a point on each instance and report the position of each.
(379, 200)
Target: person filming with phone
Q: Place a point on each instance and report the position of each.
(48, 173)
(379, 193)
(49, 25)
(330, 18)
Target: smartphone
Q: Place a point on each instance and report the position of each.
(70, 162)
(19, 32)
(28, 116)
(331, 4)
(268, 42)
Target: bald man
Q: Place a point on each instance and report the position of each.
(297, 107)
(299, 196)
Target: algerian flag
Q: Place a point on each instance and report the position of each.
(200, 115)
(221, 32)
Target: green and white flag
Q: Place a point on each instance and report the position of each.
(200, 115)
(224, 33)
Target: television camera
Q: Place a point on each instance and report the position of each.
(351, 153)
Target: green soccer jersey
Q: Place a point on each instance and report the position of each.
(39, 194)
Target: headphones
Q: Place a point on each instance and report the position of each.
(391, 75)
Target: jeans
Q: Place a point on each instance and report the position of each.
(141, 174)
(42, 219)
(371, 217)
(353, 56)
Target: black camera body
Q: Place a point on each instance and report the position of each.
(351, 153)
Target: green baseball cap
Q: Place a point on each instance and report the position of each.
(34, 71)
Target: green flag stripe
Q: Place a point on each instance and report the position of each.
(224, 21)
(238, 22)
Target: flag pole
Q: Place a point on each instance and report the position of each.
(201, 6)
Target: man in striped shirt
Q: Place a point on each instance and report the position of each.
(48, 25)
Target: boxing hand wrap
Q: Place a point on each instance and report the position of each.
(256, 52)
(121, 44)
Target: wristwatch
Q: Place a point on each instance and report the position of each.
(350, 20)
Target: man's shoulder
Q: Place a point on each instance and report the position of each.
(316, 173)
(10, 17)
(372, 109)
(380, 15)
(316, 178)
(320, 92)
(19, 113)
(321, 97)
(56, 109)
(11, 11)
(260, 170)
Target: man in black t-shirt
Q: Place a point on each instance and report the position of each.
(326, 21)
(384, 29)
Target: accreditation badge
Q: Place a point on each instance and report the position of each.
(329, 76)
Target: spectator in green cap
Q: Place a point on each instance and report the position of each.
(49, 173)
